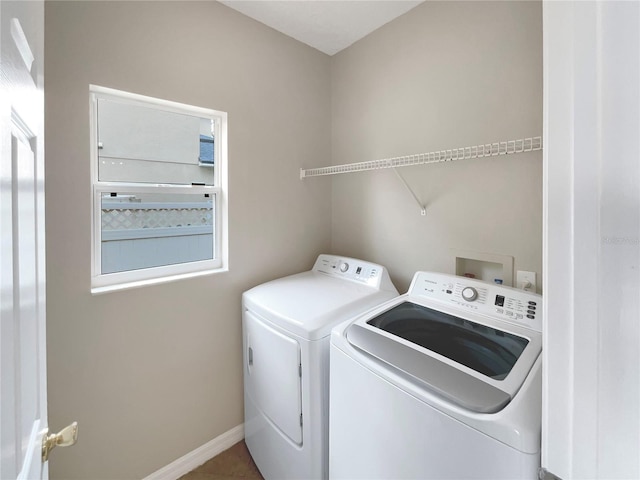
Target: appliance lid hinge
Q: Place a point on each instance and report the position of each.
(544, 474)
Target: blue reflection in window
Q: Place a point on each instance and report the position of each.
(206, 150)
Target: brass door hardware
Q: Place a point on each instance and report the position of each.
(64, 438)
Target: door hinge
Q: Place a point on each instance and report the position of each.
(300, 370)
(300, 419)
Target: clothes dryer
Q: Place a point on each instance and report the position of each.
(443, 382)
(286, 330)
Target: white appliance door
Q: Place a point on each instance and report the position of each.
(273, 373)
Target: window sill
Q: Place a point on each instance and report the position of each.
(154, 281)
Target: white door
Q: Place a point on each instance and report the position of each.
(591, 346)
(23, 398)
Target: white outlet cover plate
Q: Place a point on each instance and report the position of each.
(523, 277)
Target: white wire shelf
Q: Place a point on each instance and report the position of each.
(451, 155)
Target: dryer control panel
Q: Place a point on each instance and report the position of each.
(359, 271)
(498, 301)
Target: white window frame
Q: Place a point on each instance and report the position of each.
(102, 283)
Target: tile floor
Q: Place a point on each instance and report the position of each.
(232, 464)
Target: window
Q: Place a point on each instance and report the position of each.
(206, 150)
(159, 190)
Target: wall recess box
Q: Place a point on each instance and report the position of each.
(485, 266)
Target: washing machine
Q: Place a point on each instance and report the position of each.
(443, 382)
(286, 331)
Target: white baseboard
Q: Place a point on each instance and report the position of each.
(197, 457)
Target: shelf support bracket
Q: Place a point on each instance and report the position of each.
(423, 208)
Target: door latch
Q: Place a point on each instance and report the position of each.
(64, 438)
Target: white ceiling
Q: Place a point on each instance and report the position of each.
(327, 25)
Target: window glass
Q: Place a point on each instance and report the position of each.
(152, 230)
(144, 144)
(207, 143)
(207, 152)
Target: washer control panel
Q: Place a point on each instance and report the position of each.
(353, 269)
(498, 301)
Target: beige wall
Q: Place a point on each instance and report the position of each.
(153, 373)
(444, 75)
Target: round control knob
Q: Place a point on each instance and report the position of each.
(469, 294)
(344, 267)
